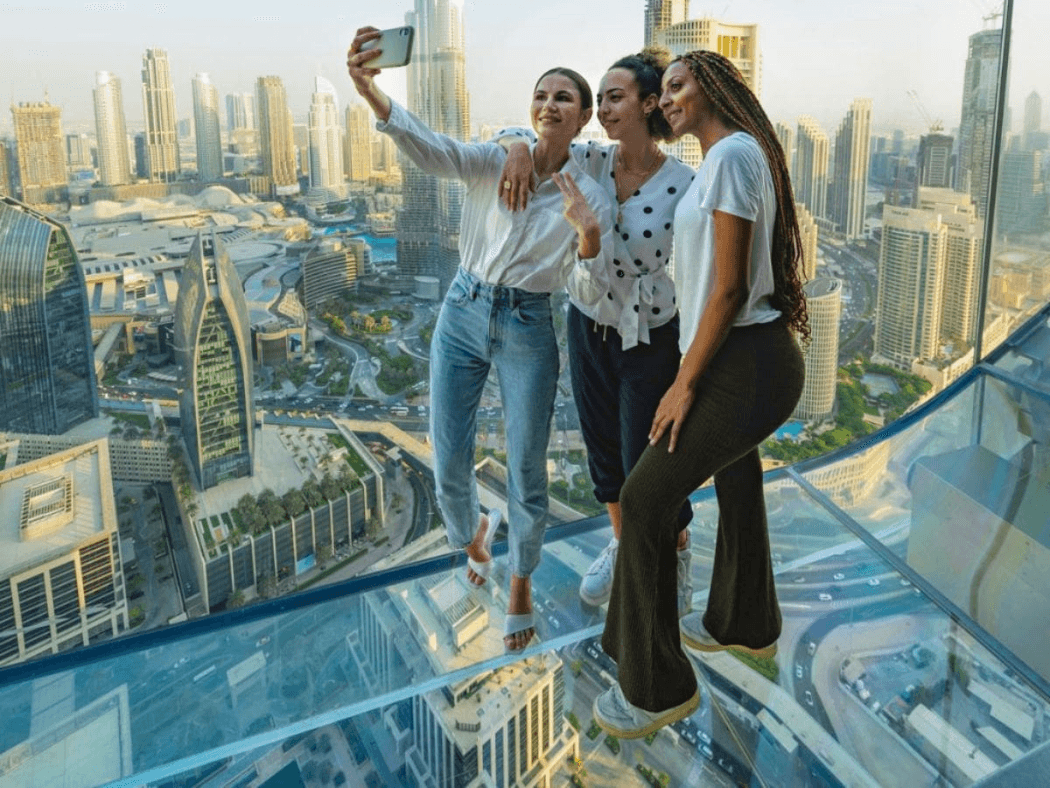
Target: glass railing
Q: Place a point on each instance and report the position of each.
(909, 651)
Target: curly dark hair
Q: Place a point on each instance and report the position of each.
(724, 86)
(648, 68)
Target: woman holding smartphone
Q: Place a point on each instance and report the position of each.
(737, 251)
(623, 351)
(497, 311)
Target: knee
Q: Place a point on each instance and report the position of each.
(637, 508)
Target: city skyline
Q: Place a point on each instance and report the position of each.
(299, 48)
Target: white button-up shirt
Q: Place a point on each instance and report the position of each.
(534, 249)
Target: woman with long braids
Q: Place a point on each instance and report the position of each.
(737, 251)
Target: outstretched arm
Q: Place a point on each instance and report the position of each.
(364, 76)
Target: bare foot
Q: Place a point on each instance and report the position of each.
(520, 602)
(477, 550)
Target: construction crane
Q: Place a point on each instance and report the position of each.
(935, 126)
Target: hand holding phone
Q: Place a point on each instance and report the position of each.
(396, 46)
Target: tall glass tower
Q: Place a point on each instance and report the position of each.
(206, 123)
(977, 125)
(276, 141)
(852, 144)
(213, 348)
(47, 367)
(114, 163)
(326, 137)
(158, 103)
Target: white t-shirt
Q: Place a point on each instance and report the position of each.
(734, 178)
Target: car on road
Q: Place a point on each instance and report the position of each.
(824, 596)
(873, 581)
(839, 576)
(809, 698)
(798, 670)
(800, 579)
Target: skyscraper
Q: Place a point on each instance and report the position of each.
(936, 167)
(810, 177)
(852, 144)
(47, 366)
(910, 286)
(326, 138)
(964, 234)
(275, 135)
(5, 168)
(428, 225)
(206, 125)
(78, 151)
(114, 164)
(213, 348)
(41, 151)
(787, 141)
(1033, 113)
(824, 305)
(809, 233)
(977, 127)
(661, 14)
(1021, 198)
(158, 106)
(240, 111)
(358, 155)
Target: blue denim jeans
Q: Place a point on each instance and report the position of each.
(482, 325)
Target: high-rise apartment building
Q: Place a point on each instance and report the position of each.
(41, 152)
(158, 106)
(910, 293)
(847, 190)
(240, 111)
(358, 154)
(1033, 113)
(678, 34)
(5, 169)
(111, 132)
(206, 126)
(332, 267)
(786, 137)
(326, 138)
(1021, 197)
(936, 166)
(213, 348)
(810, 176)
(809, 233)
(78, 151)
(963, 239)
(428, 224)
(977, 127)
(47, 365)
(276, 140)
(824, 306)
(61, 582)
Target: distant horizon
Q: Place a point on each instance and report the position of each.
(799, 45)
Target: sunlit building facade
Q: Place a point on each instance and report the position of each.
(850, 184)
(358, 154)
(206, 127)
(158, 105)
(40, 150)
(824, 306)
(214, 352)
(326, 137)
(47, 369)
(977, 127)
(810, 176)
(114, 163)
(276, 141)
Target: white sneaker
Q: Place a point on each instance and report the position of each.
(596, 585)
(685, 580)
(616, 715)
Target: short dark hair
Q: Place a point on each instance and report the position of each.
(586, 97)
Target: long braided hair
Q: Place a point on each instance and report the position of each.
(724, 86)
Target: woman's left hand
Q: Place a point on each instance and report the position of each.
(673, 408)
(579, 214)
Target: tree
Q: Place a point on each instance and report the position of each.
(235, 600)
(272, 510)
(324, 552)
(312, 493)
(330, 487)
(266, 586)
(294, 503)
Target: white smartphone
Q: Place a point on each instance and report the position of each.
(396, 44)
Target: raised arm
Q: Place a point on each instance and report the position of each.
(364, 76)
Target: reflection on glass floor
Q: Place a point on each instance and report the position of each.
(912, 575)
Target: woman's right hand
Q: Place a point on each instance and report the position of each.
(357, 61)
(363, 75)
(518, 179)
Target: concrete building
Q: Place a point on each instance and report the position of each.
(955, 755)
(428, 224)
(61, 580)
(358, 154)
(936, 163)
(240, 111)
(824, 303)
(206, 126)
(47, 371)
(326, 138)
(850, 183)
(6, 169)
(910, 286)
(738, 42)
(786, 137)
(810, 176)
(977, 127)
(114, 162)
(78, 151)
(332, 268)
(158, 106)
(810, 234)
(965, 234)
(1021, 201)
(276, 142)
(213, 348)
(40, 150)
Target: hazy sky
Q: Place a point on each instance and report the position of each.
(817, 55)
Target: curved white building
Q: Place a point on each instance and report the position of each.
(824, 303)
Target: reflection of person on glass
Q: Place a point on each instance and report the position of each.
(737, 251)
(497, 312)
(623, 351)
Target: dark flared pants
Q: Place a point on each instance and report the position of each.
(749, 389)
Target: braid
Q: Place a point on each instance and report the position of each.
(724, 86)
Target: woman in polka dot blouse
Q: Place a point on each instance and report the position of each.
(623, 351)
